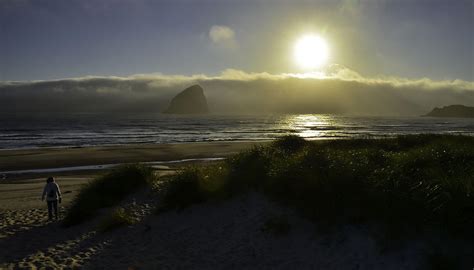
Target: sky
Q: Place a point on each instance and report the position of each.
(412, 39)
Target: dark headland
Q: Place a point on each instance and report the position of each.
(453, 111)
(190, 101)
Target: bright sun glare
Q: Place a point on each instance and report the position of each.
(311, 51)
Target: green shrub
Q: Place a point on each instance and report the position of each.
(118, 218)
(107, 190)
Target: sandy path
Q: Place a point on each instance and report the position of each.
(26, 193)
(46, 244)
(220, 235)
(29, 241)
(21, 208)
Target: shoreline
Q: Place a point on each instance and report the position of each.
(157, 165)
(130, 144)
(47, 158)
(22, 172)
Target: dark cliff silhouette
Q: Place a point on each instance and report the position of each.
(190, 101)
(453, 111)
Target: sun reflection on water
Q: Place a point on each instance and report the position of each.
(310, 126)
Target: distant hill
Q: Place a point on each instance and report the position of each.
(453, 111)
(190, 101)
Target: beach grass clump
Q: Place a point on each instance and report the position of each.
(290, 143)
(107, 190)
(118, 218)
(193, 185)
(411, 182)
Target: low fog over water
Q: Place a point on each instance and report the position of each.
(343, 92)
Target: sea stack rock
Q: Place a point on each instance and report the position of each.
(190, 101)
(453, 111)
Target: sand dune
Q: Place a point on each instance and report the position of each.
(225, 235)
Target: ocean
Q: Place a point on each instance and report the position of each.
(77, 130)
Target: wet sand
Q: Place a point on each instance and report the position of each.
(23, 191)
(41, 158)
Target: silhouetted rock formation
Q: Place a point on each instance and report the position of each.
(190, 101)
(452, 111)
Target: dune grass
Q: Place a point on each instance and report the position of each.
(414, 182)
(107, 190)
(193, 185)
(118, 218)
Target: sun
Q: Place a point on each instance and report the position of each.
(311, 51)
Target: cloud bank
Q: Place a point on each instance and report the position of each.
(336, 90)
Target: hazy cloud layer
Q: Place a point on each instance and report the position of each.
(336, 90)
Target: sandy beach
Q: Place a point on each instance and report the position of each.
(39, 158)
(23, 190)
(24, 227)
(231, 234)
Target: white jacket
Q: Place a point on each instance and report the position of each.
(51, 191)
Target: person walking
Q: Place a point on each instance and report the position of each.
(53, 195)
